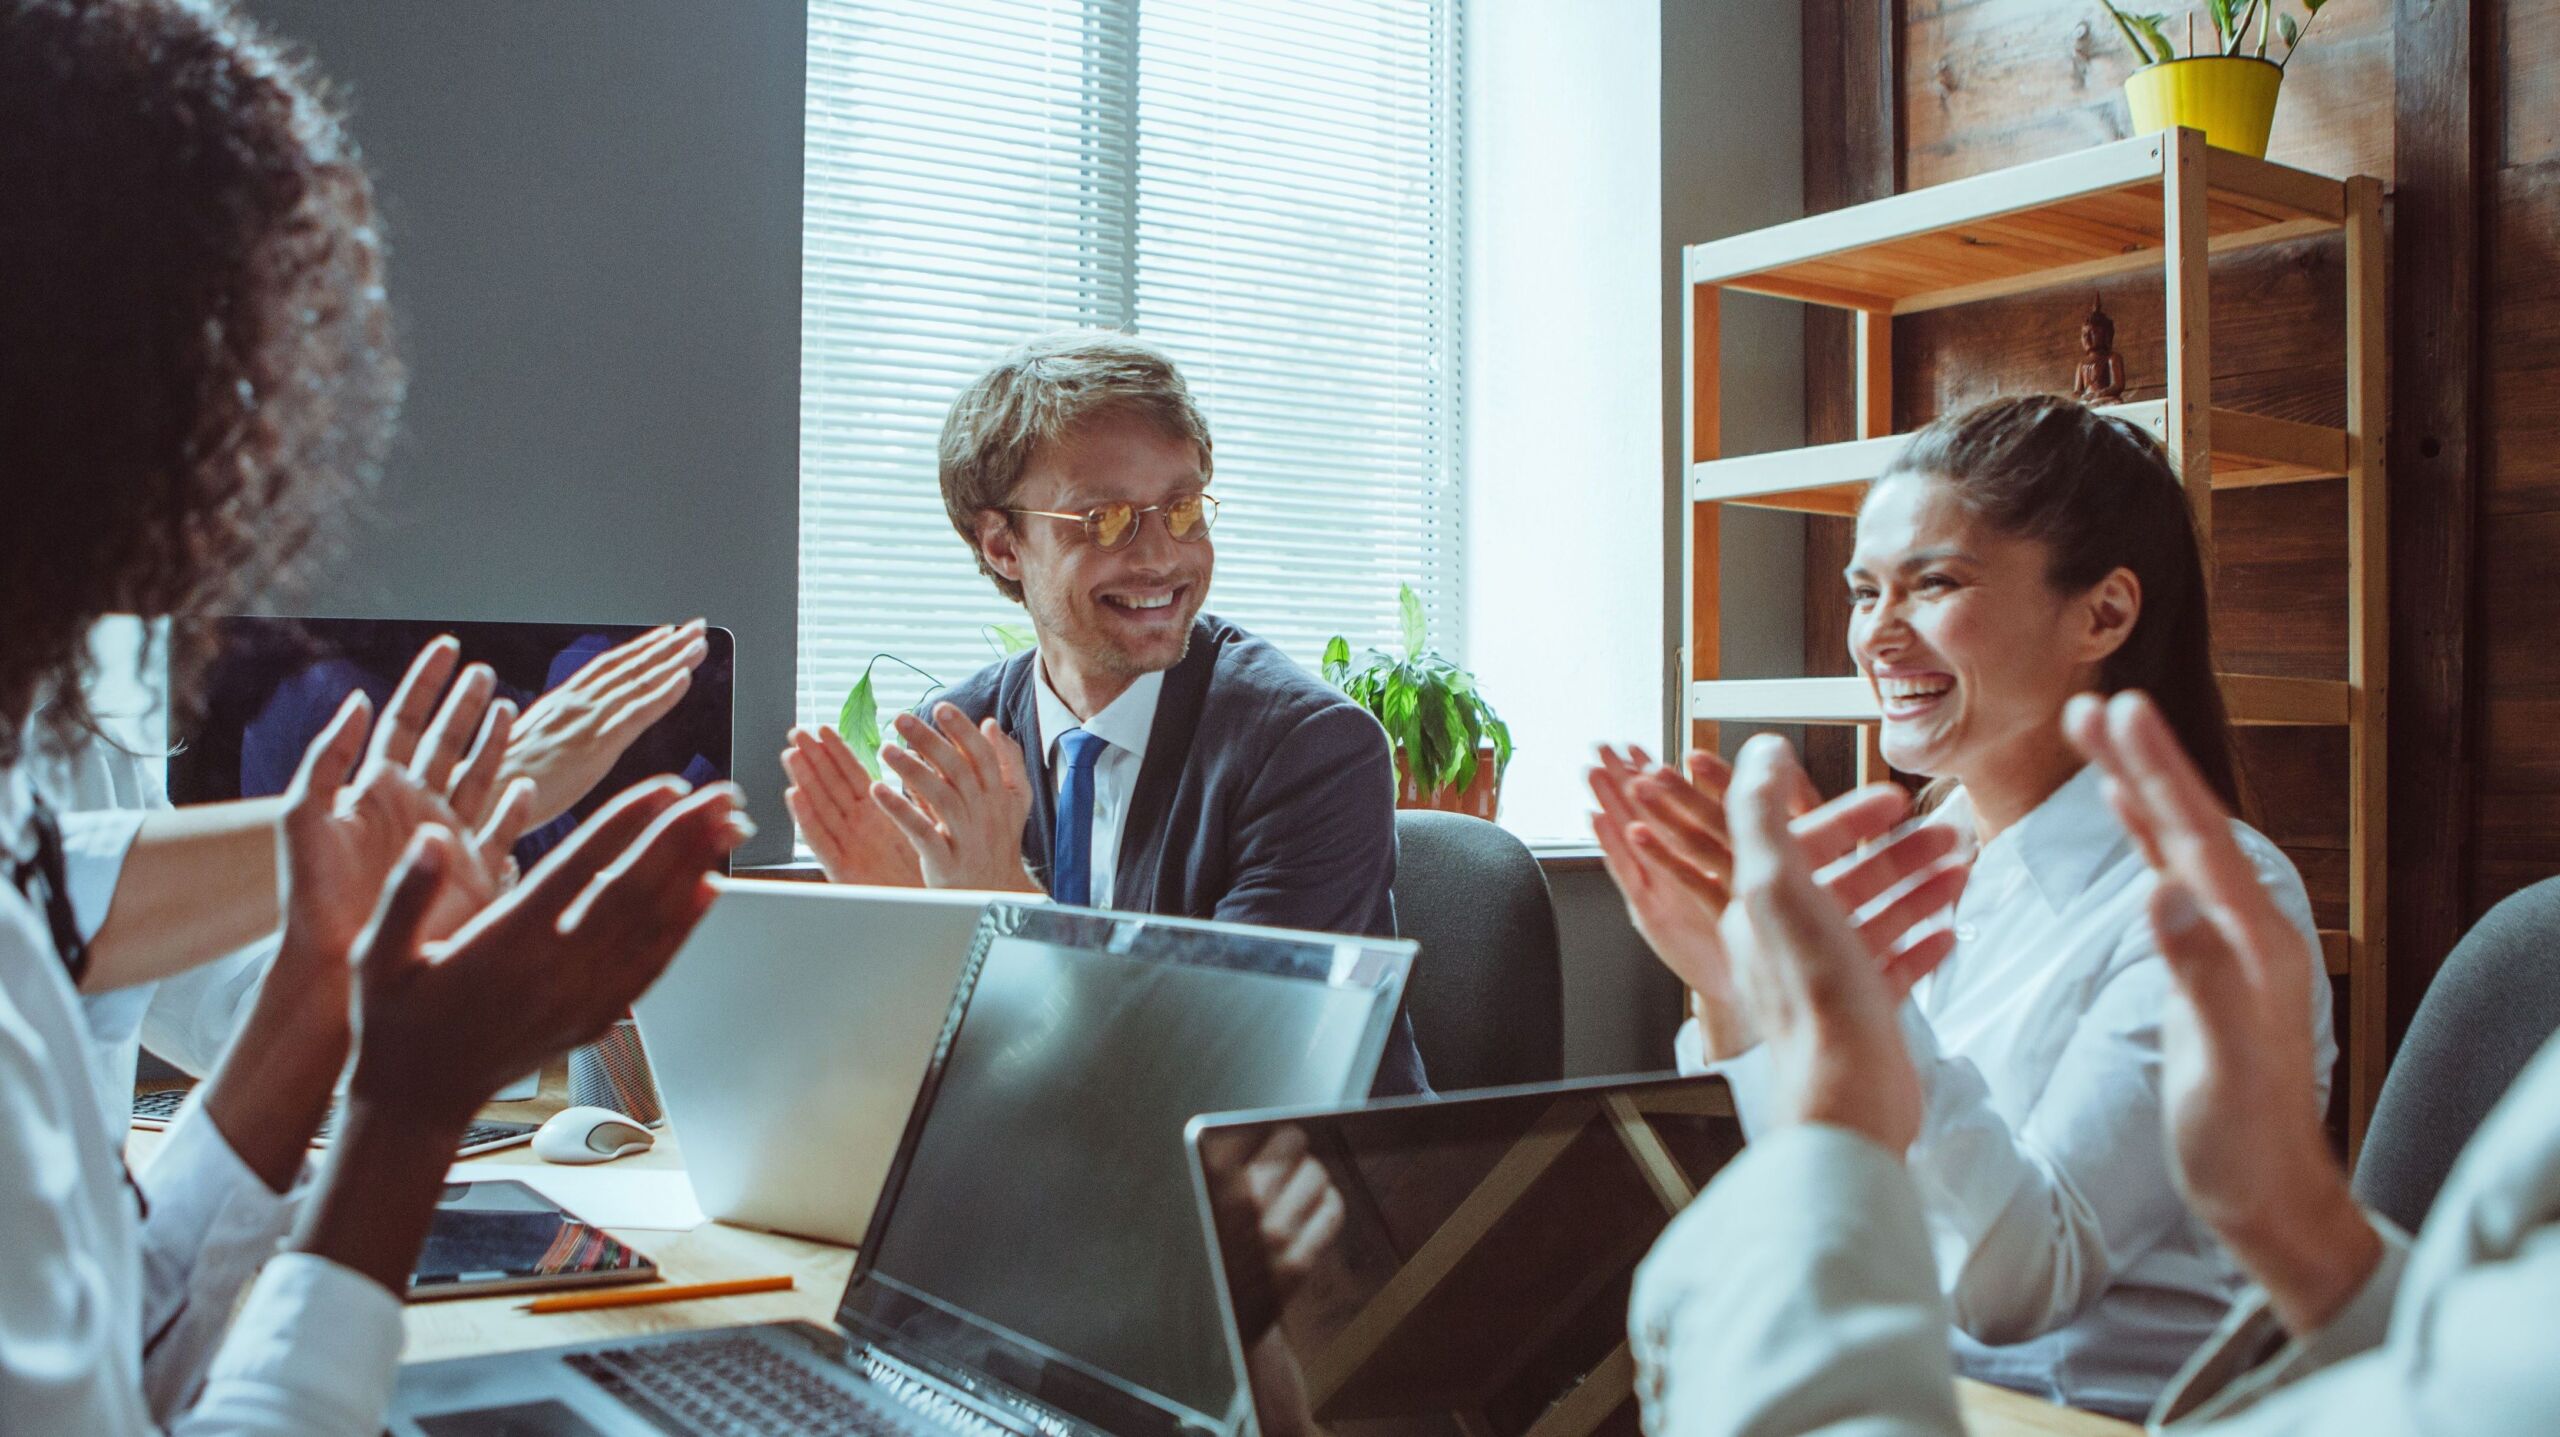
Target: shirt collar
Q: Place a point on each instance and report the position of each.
(1124, 723)
(2063, 843)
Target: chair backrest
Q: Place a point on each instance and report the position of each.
(2490, 1008)
(1487, 991)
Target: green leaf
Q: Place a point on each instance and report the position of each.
(2221, 19)
(2292, 32)
(1462, 746)
(2150, 25)
(1430, 705)
(2141, 52)
(859, 721)
(1337, 661)
(1501, 743)
(1010, 639)
(1411, 605)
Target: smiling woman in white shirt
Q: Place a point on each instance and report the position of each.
(194, 384)
(2014, 555)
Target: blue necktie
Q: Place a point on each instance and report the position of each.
(1071, 871)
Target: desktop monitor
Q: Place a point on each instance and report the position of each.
(275, 682)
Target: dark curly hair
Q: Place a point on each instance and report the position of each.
(197, 378)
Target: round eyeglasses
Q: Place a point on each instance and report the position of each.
(1111, 526)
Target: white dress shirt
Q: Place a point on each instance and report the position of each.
(1796, 1296)
(100, 793)
(1123, 726)
(2073, 1268)
(114, 1321)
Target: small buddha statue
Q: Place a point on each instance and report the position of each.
(2100, 379)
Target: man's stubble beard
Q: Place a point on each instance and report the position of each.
(1103, 652)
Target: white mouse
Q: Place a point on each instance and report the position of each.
(590, 1135)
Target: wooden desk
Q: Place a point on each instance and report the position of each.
(474, 1326)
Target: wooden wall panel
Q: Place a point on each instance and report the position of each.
(2517, 813)
(2457, 106)
(1989, 83)
(2520, 472)
(2528, 51)
(2279, 312)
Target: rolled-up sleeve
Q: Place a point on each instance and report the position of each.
(1795, 1296)
(94, 845)
(315, 1352)
(210, 1225)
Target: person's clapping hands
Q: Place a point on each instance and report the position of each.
(2244, 1122)
(1664, 839)
(446, 1019)
(965, 801)
(354, 805)
(443, 1022)
(572, 736)
(1808, 979)
(830, 798)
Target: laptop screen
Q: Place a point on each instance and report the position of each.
(1456, 1267)
(275, 683)
(1039, 1226)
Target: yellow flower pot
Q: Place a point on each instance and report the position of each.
(2232, 98)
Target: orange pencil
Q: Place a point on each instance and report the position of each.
(676, 1292)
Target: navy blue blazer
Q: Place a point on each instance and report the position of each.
(1265, 797)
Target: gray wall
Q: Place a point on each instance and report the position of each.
(593, 210)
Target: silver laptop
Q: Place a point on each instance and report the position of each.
(1034, 1265)
(1434, 1267)
(788, 1038)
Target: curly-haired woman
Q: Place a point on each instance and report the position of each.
(196, 381)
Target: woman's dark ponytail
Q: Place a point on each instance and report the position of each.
(2098, 492)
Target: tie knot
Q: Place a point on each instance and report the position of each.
(1079, 746)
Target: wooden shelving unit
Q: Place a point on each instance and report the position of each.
(2160, 201)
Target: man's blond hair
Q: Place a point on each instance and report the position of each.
(1038, 393)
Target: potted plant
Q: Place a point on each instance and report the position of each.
(1450, 746)
(2229, 91)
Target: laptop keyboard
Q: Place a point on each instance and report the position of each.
(731, 1387)
(161, 1106)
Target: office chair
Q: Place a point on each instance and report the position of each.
(2490, 1008)
(1487, 992)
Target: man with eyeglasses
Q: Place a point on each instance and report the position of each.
(1144, 756)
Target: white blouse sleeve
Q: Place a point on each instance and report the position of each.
(2032, 1223)
(312, 1352)
(210, 1225)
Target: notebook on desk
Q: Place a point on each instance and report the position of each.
(1033, 1264)
(1451, 1267)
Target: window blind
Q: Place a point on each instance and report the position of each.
(1269, 191)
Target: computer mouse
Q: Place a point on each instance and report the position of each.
(590, 1135)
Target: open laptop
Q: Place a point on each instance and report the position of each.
(789, 1036)
(1033, 1266)
(1453, 1267)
